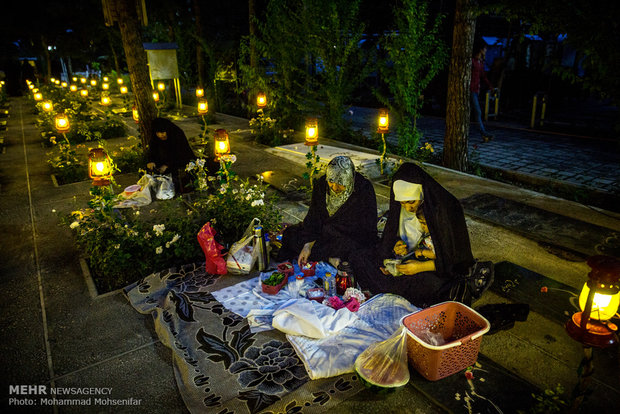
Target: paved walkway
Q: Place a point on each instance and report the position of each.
(583, 161)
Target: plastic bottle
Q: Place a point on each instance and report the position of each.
(329, 284)
(296, 285)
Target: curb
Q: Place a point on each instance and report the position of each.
(90, 283)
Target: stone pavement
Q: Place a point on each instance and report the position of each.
(55, 333)
(582, 161)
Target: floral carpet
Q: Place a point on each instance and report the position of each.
(220, 366)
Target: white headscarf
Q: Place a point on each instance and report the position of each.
(409, 227)
(340, 170)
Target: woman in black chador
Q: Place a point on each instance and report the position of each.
(342, 218)
(425, 242)
(169, 152)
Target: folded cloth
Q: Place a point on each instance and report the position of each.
(312, 319)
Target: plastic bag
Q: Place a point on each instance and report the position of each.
(242, 255)
(214, 262)
(164, 187)
(384, 364)
(139, 198)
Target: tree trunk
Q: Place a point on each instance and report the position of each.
(459, 77)
(200, 59)
(137, 65)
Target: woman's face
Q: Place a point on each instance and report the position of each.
(411, 206)
(335, 187)
(162, 135)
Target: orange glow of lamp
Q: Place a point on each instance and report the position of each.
(261, 100)
(105, 100)
(61, 123)
(203, 107)
(135, 114)
(200, 92)
(156, 96)
(48, 106)
(161, 86)
(84, 93)
(384, 121)
(312, 132)
(222, 143)
(124, 89)
(99, 166)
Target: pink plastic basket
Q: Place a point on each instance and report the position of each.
(461, 328)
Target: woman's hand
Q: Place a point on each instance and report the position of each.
(163, 169)
(412, 267)
(305, 254)
(150, 165)
(400, 248)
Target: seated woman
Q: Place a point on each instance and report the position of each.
(434, 252)
(342, 218)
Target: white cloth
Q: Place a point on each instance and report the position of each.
(406, 191)
(310, 318)
(378, 319)
(409, 229)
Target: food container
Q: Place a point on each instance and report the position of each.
(309, 269)
(286, 268)
(132, 189)
(459, 329)
(316, 294)
(272, 289)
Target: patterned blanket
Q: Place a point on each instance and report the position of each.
(220, 366)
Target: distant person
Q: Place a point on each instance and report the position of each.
(169, 152)
(341, 220)
(478, 74)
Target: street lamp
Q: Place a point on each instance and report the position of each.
(99, 166)
(222, 143)
(312, 132)
(61, 123)
(261, 100)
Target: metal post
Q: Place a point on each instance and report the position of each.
(496, 103)
(533, 118)
(383, 153)
(486, 106)
(542, 110)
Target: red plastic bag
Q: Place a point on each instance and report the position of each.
(214, 262)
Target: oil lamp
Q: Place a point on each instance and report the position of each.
(99, 166)
(312, 132)
(93, 82)
(123, 89)
(63, 84)
(222, 144)
(261, 100)
(135, 115)
(119, 81)
(161, 86)
(105, 86)
(38, 96)
(384, 121)
(82, 80)
(106, 79)
(48, 106)
(61, 122)
(156, 96)
(105, 100)
(200, 92)
(84, 93)
(73, 88)
(203, 107)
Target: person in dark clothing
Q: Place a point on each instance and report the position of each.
(169, 152)
(478, 74)
(420, 280)
(342, 218)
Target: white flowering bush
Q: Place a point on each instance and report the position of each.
(198, 171)
(265, 131)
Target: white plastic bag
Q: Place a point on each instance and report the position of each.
(242, 255)
(164, 187)
(139, 198)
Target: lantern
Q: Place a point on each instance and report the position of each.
(93, 82)
(161, 86)
(82, 80)
(31, 86)
(384, 121)
(53, 80)
(156, 96)
(63, 84)
(312, 132)
(261, 100)
(73, 88)
(105, 100)
(38, 96)
(61, 122)
(123, 89)
(56, 82)
(119, 81)
(74, 79)
(106, 79)
(599, 300)
(203, 107)
(48, 106)
(222, 144)
(105, 86)
(135, 114)
(99, 166)
(84, 93)
(200, 92)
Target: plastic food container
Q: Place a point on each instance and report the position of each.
(458, 329)
(132, 189)
(309, 269)
(316, 294)
(286, 268)
(271, 289)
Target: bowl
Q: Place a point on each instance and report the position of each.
(286, 268)
(309, 269)
(316, 294)
(273, 289)
(132, 189)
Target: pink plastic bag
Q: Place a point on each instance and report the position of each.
(214, 262)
